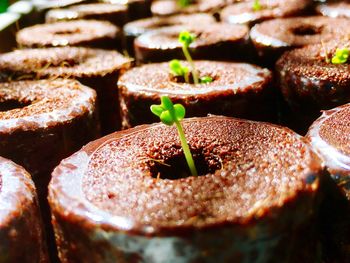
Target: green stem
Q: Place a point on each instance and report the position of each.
(184, 3)
(186, 149)
(187, 80)
(189, 59)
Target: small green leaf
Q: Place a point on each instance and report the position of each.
(166, 118)
(186, 38)
(256, 5)
(206, 80)
(157, 110)
(184, 3)
(176, 67)
(336, 60)
(167, 104)
(341, 56)
(180, 111)
(165, 111)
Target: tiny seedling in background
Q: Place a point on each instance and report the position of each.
(206, 79)
(177, 69)
(341, 56)
(170, 114)
(184, 3)
(186, 38)
(256, 5)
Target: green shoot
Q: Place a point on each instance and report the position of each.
(184, 3)
(341, 56)
(257, 6)
(206, 79)
(177, 69)
(171, 114)
(186, 38)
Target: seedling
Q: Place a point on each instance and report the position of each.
(171, 114)
(341, 56)
(177, 69)
(186, 38)
(184, 3)
(206, 79)
(256, 5)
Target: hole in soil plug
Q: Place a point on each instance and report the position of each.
(62, 63)
(67, 32)
(8, 105)
(176, 167)
(306, 30)
(181, 79)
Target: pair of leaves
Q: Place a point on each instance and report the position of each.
(168, 112)
(341, 56)
(177, 68)
(186, 38)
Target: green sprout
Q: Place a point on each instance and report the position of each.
(256, 5)
(186, 38)
(206, 79)
(177, 69)
(184, 3)
(341, 56)
(171, 114)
